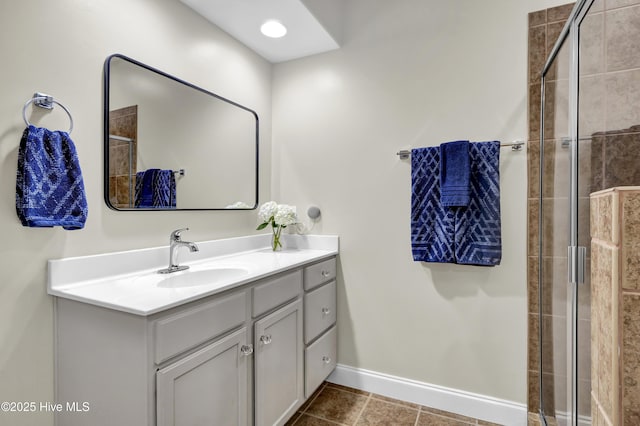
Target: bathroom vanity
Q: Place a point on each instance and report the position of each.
(243, 337)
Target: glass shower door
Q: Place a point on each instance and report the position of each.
(556, 292)
(590, 75)
(590, 139)
(573, 86)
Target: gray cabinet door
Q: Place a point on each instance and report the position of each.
(208, 387)
(279, 366)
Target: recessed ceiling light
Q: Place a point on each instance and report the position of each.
(273, 29)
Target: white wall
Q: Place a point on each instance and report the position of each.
(412, 73)
(58, 47)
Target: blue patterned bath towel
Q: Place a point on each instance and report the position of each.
(49, 186)
(155, 189)
(432, 225)
(478, 239)
(465, 235)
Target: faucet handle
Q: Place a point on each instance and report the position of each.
(175, 235)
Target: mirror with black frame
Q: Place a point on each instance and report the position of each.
(170, 145)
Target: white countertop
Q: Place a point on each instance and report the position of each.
(128, 281)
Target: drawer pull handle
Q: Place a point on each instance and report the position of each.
(325, 274)
(326, 359)
(326, 311)
(265, 339)
(246, 350)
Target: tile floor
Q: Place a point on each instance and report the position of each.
(334, 405)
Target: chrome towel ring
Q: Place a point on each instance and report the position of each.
(45, 101)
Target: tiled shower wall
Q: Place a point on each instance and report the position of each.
(122, 122)
(609, 118)
(615, 292)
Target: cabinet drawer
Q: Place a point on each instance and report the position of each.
(319, 273)
(191, 327)
(319, 310)
(275, 292)
(320, 360)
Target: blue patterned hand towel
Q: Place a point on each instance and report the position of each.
(155, 189)
(49, 186)
(432, 225)
(454, 174)
(478, 238)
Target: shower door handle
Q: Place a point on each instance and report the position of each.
(577, 261)
(582, 264)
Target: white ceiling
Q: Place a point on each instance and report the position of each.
(306, 34)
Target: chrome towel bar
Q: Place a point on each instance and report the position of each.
(515, 146)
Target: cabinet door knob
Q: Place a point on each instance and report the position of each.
(325, 273)
(326, 359)
(326, 311)
(265, 339)
(246, 350)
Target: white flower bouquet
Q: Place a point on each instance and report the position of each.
(279, 216)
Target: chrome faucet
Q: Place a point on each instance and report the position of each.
(175, 242)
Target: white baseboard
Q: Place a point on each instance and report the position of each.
(455, 401)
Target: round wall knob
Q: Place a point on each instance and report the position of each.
(326, 359)
(313, 212)
(326, 311)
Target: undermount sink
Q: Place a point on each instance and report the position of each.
(201, 277)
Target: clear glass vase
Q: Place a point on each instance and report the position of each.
(276, 245)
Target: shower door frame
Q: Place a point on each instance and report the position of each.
(576, 255)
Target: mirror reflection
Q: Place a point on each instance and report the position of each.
(170, 145)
